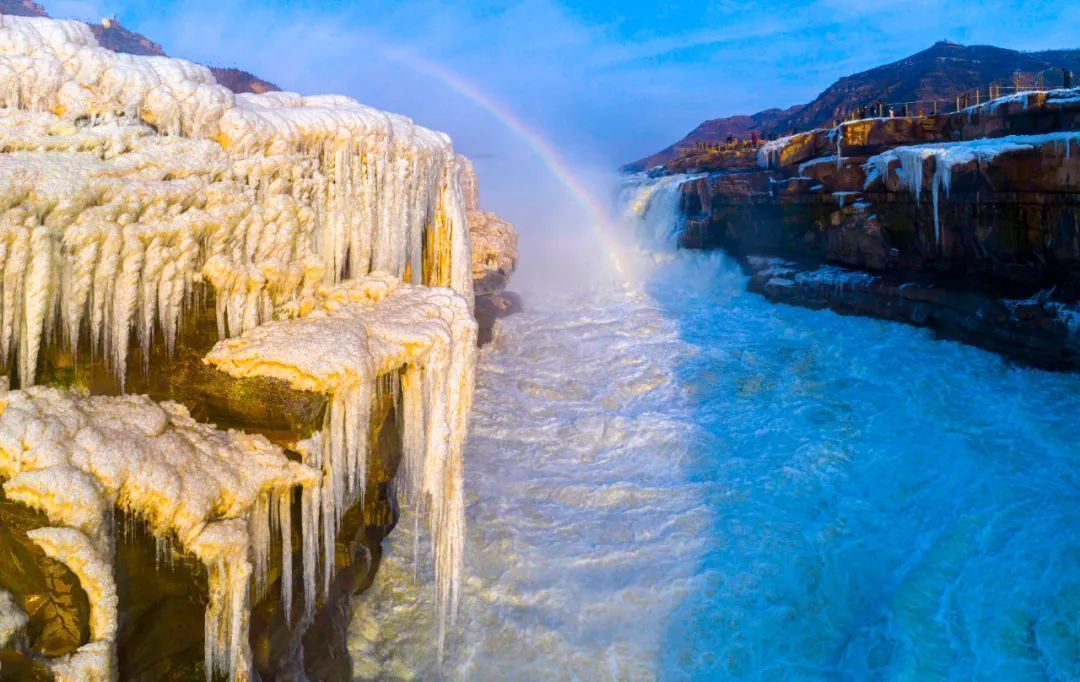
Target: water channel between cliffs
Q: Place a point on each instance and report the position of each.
(681, 480)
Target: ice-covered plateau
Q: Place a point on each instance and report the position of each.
(333, 240)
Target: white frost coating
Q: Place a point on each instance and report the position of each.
(76, 457)
(339, 343)
(470, 184)
(1059, 96)
(768, 154)
(837, 278)
(12, 619)
(815, 162)
(271, 195)
(948, 155)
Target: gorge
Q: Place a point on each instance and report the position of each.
(796, 408)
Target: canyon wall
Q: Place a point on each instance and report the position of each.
(967, 223)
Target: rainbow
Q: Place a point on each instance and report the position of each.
(599, 217)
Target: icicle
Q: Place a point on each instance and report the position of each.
(259, 531)
(284, 520)
(839, 138)
(309, 506)
(38, 290)
(351, 334)
(412, 433)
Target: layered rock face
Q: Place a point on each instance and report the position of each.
(974, 216)
(297, 268)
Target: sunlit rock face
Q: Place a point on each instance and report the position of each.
(334, 242)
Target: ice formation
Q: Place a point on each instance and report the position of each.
(335, 241)
(768, 154)
(1059, 96)
(470, 184)
(340, 341)
(837, 135)
(815, 162)
(949, 155)
(155, 178)
(76, 457)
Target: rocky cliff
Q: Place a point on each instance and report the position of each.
(968, 223)
(942, 72)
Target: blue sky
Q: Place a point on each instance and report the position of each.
(606, 81)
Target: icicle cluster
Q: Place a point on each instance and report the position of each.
(768, 154)
(340, 341)
(216, 493)
(268, 197)
(946, 156)
(127, 184)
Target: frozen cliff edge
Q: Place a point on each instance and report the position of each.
(332, 241)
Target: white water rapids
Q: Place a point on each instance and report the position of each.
(576, 508)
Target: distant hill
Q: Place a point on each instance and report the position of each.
(241, 81)
(22, 8)
(941, 72)
(714, 130)
(113, 36)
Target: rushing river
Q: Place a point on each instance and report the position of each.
(680, 480)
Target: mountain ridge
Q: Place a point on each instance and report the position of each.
(941, 72)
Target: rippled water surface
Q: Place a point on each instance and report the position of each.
(688, 482)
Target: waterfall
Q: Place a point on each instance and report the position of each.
(651, 207)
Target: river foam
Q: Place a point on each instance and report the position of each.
(684, 481)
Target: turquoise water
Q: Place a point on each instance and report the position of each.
(885, 506)
(668, 477)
